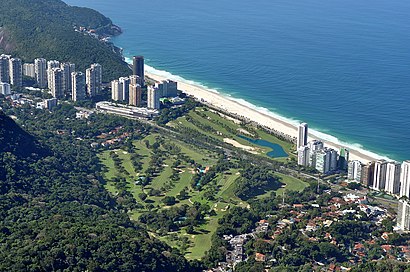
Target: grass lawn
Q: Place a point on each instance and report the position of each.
(226, 191)
(163, 177)
(108, 163)
(202, 241)
(225, 121)
(213, 120)
(185, 181)
(201, 156)
(291, 184)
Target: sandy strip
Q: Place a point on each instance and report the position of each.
(239, 145)
(229, 105)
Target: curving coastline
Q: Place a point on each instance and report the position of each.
(241, 108)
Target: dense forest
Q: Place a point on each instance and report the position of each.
(55, 215)
(31, 29)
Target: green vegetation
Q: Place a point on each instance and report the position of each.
(32, 29)
(54, 213)
(217, 127)
(189, 183)
(290, 184)
(183, 194)
(255, 181)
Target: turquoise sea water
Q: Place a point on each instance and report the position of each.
(341, 66)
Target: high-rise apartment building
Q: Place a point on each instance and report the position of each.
(5, 88)
(354, 171)
(326, 160)
(379, 180)
(116, 90)
(403, 215)
(50, 103)
(343, 159)
(393, 178)
(4, 68)
(333, 160)
(135, 95)
(302, 134)
(314, 146)
(56, 83)
(78, 92)
(67, 69)
(51, 64)
(168, 88)
(29, 70)
(138, 68)
(94, 79)
(405, 179)
(368, 174)
(154, 95)
(40, 67)
(303, 155)
(125, 83)
(323, 158)
(16, 72)
(134, 79)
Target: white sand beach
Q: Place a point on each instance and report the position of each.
(232, 106)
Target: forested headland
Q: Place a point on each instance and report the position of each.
(32, 29)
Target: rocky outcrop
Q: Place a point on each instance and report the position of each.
(6, 45)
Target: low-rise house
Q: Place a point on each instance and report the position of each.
(259, 257)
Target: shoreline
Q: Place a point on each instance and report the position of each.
(231, 105)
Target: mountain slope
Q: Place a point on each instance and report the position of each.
(30, 29)
(15, 140)
(55, 214)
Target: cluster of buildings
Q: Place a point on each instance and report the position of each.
(11, 73)
(314, 154)
(237, 254)
(315, 224)
(129, 89)
(387, 176)
(64, 82)
(60, 78)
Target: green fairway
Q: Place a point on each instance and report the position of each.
(290, 184)
(221, 127)
(185, 181)
(226, 191)
(202, 240)
(169, 150)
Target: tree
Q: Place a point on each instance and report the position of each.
(142, 196)
(354, 185)
(169, 200)
(190, 229)
(183, 194)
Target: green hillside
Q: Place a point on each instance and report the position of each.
(15, 140)
(55, 215)
(30, 29)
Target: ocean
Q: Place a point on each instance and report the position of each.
(341, 66)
